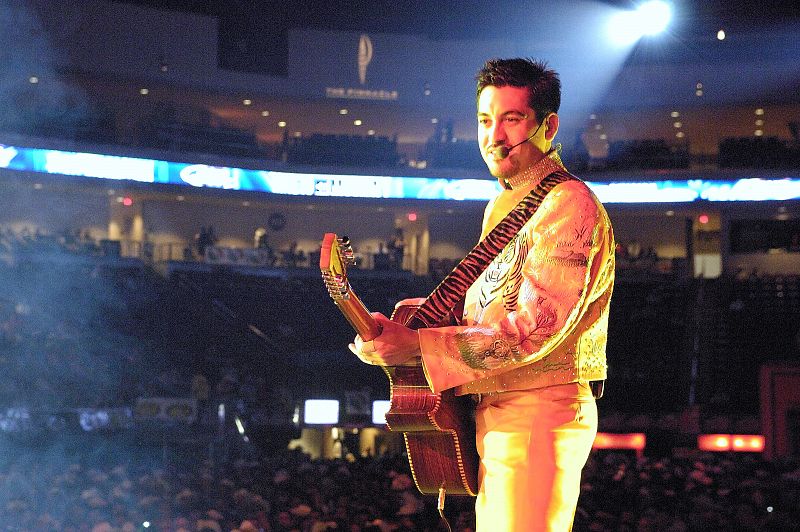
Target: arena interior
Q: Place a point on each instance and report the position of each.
(170, 358)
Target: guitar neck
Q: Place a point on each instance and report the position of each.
(358, 316)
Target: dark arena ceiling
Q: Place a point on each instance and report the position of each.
(755, 62)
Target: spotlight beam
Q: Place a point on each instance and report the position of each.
(648, 19)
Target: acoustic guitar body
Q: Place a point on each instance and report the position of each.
(439, 428)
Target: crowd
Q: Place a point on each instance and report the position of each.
(141, 338)
(110, 490)
(686, 493)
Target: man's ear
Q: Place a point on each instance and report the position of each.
(551, 126)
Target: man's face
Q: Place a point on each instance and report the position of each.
(505, 119)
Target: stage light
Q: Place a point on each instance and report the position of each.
(654, 17)
(650, 18)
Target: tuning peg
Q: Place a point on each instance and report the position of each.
(347, 250)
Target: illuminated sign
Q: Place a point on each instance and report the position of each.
(321, 412)
(379, 409)
(360, 94)
(364, 57)
(101, 166)
(365, 52)
(200, 175)
(634, 441)
(7, 154)
(170, 409)
(751, 443)
(98, 166)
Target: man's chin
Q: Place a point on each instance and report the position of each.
(499, 170)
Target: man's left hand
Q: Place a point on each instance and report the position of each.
(395, 345)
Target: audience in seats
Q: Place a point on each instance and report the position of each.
(116, 488)
(80, 334)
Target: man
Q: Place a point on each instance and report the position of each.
(533, 333)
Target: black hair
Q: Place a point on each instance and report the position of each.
(543, 83)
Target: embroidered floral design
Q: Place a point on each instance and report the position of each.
(516, 337)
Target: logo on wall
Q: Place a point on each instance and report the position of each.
(364, 57)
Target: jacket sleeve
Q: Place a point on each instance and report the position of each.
(563, 248)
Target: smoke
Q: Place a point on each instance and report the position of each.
(64, 352)
(33, 92)
(60, 350)
(73, 480)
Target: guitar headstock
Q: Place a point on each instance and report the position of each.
(336, 254)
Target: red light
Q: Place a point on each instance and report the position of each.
(127, 201)
(731, 442)
(703, 218)
(606, 440)
(714, 442)
(412, 217)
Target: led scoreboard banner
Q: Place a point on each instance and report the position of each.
(100, 166)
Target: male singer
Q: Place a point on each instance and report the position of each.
(531, 345)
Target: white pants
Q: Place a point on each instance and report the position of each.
(533, 445)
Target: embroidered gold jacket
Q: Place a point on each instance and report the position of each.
(538, 315)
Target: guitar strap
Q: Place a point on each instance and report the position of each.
(451, 291)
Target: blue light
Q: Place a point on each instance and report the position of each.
(100, 166)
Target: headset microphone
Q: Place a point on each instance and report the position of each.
(501, 152)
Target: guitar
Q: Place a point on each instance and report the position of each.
(438, 428)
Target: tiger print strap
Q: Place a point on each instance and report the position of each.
(454, 287)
